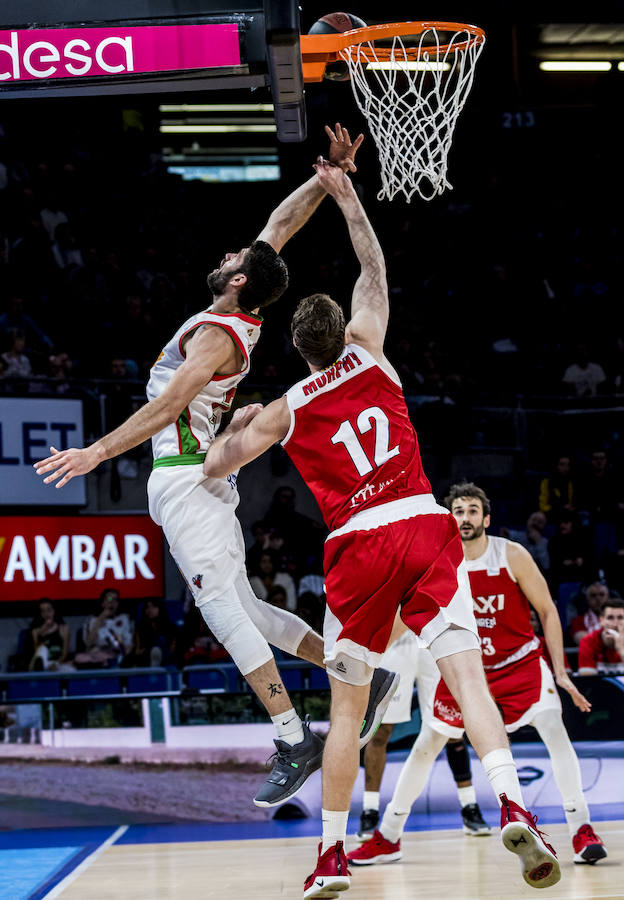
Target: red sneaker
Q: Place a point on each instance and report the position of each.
(376, 850)
(540, 867)
(588, 848)
(331, 874)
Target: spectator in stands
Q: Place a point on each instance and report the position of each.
(532, 538)
(108, 636)
(303, 537)
(311, 608)
(65, 249)
(15, 360)
(602, 650)
(52, 215)
(570, 552)
(277, 596)
(557, 491)
(50, 638)
(259, 546)
(601, 496)
(16, 317)
(155, 637)
(584, 378)
(266, 577)
(588, 619)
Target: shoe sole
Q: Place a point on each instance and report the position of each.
(374, 860)
(389, 686)
(591, 855)
(334, 886)
(312, 766)
(481, 832)
(540, 868)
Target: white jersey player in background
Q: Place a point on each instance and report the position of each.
(192, 383)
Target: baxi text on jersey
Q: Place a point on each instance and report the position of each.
(77, 557)
(493, 603)
(47, 59)
(347, 364)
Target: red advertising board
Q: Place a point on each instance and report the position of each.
(76, 557)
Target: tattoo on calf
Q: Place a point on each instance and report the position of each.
(275, 689)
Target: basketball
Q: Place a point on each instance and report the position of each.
(336, 23)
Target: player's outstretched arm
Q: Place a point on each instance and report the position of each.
(207, 352)
(253, 430)
(296, 209)
(369, 304)
(533, 585)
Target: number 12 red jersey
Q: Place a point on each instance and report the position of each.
(351, 437)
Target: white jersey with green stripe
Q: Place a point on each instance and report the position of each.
(197, 425)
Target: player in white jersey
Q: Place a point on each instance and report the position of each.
(414, 664)
(192, 382)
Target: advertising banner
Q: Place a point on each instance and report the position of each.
(30, 54)
(76, 557)
(28, 427)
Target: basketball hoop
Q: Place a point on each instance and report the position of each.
(410, 81)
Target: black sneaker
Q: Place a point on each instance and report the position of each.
(369, 820)
(292, 766)
(474, 823)
(383, 686)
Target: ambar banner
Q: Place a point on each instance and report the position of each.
(28, 427)
(30, 54)
(76, 557)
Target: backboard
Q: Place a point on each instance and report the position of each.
(75, 47)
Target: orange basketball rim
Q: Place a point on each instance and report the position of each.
(319, 50)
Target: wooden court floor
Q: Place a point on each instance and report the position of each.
(437, 865)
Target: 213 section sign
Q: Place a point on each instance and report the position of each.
(76, 557)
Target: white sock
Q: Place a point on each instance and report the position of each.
(500, 768)
(467, 795)
(334, 827)
(412, 780)
(565, 767)
(393, 823)
(288, 726)
(371, 800)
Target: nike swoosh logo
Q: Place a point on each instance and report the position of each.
(289, 721)
(320, 882)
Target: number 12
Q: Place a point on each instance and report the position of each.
(346, 435)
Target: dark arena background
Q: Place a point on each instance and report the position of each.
(128, 765)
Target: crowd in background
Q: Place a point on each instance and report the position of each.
(103, 254)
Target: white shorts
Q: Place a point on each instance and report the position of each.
(403, 657)
(198, 517)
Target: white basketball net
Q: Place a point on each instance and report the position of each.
(412, 107)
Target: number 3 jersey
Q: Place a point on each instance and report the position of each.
(500, 608)
(197, 424)
(351, 437)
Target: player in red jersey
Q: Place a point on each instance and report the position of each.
(503, 580)
(391, 547)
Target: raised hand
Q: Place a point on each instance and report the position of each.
(67, 463)
(332, 178)
(341, 150)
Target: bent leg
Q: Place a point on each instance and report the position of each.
(464, 676)
(280, 627)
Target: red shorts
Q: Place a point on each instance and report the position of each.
(416, 563)
(520, 690)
